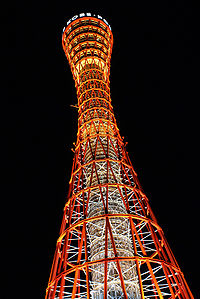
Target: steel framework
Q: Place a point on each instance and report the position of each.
(110, 244)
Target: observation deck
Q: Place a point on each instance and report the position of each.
(87, 40)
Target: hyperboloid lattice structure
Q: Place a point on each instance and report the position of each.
(110, 244)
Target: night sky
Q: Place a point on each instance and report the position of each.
(154, 91)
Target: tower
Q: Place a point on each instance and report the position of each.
(110, 244)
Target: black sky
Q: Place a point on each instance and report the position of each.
(154, 91)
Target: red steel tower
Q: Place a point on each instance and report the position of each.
(110, 244)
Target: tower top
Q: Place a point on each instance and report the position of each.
(87, 15)
(87, 41)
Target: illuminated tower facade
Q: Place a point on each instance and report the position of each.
(110, 244)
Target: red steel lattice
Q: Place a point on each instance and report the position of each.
(110, 244)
